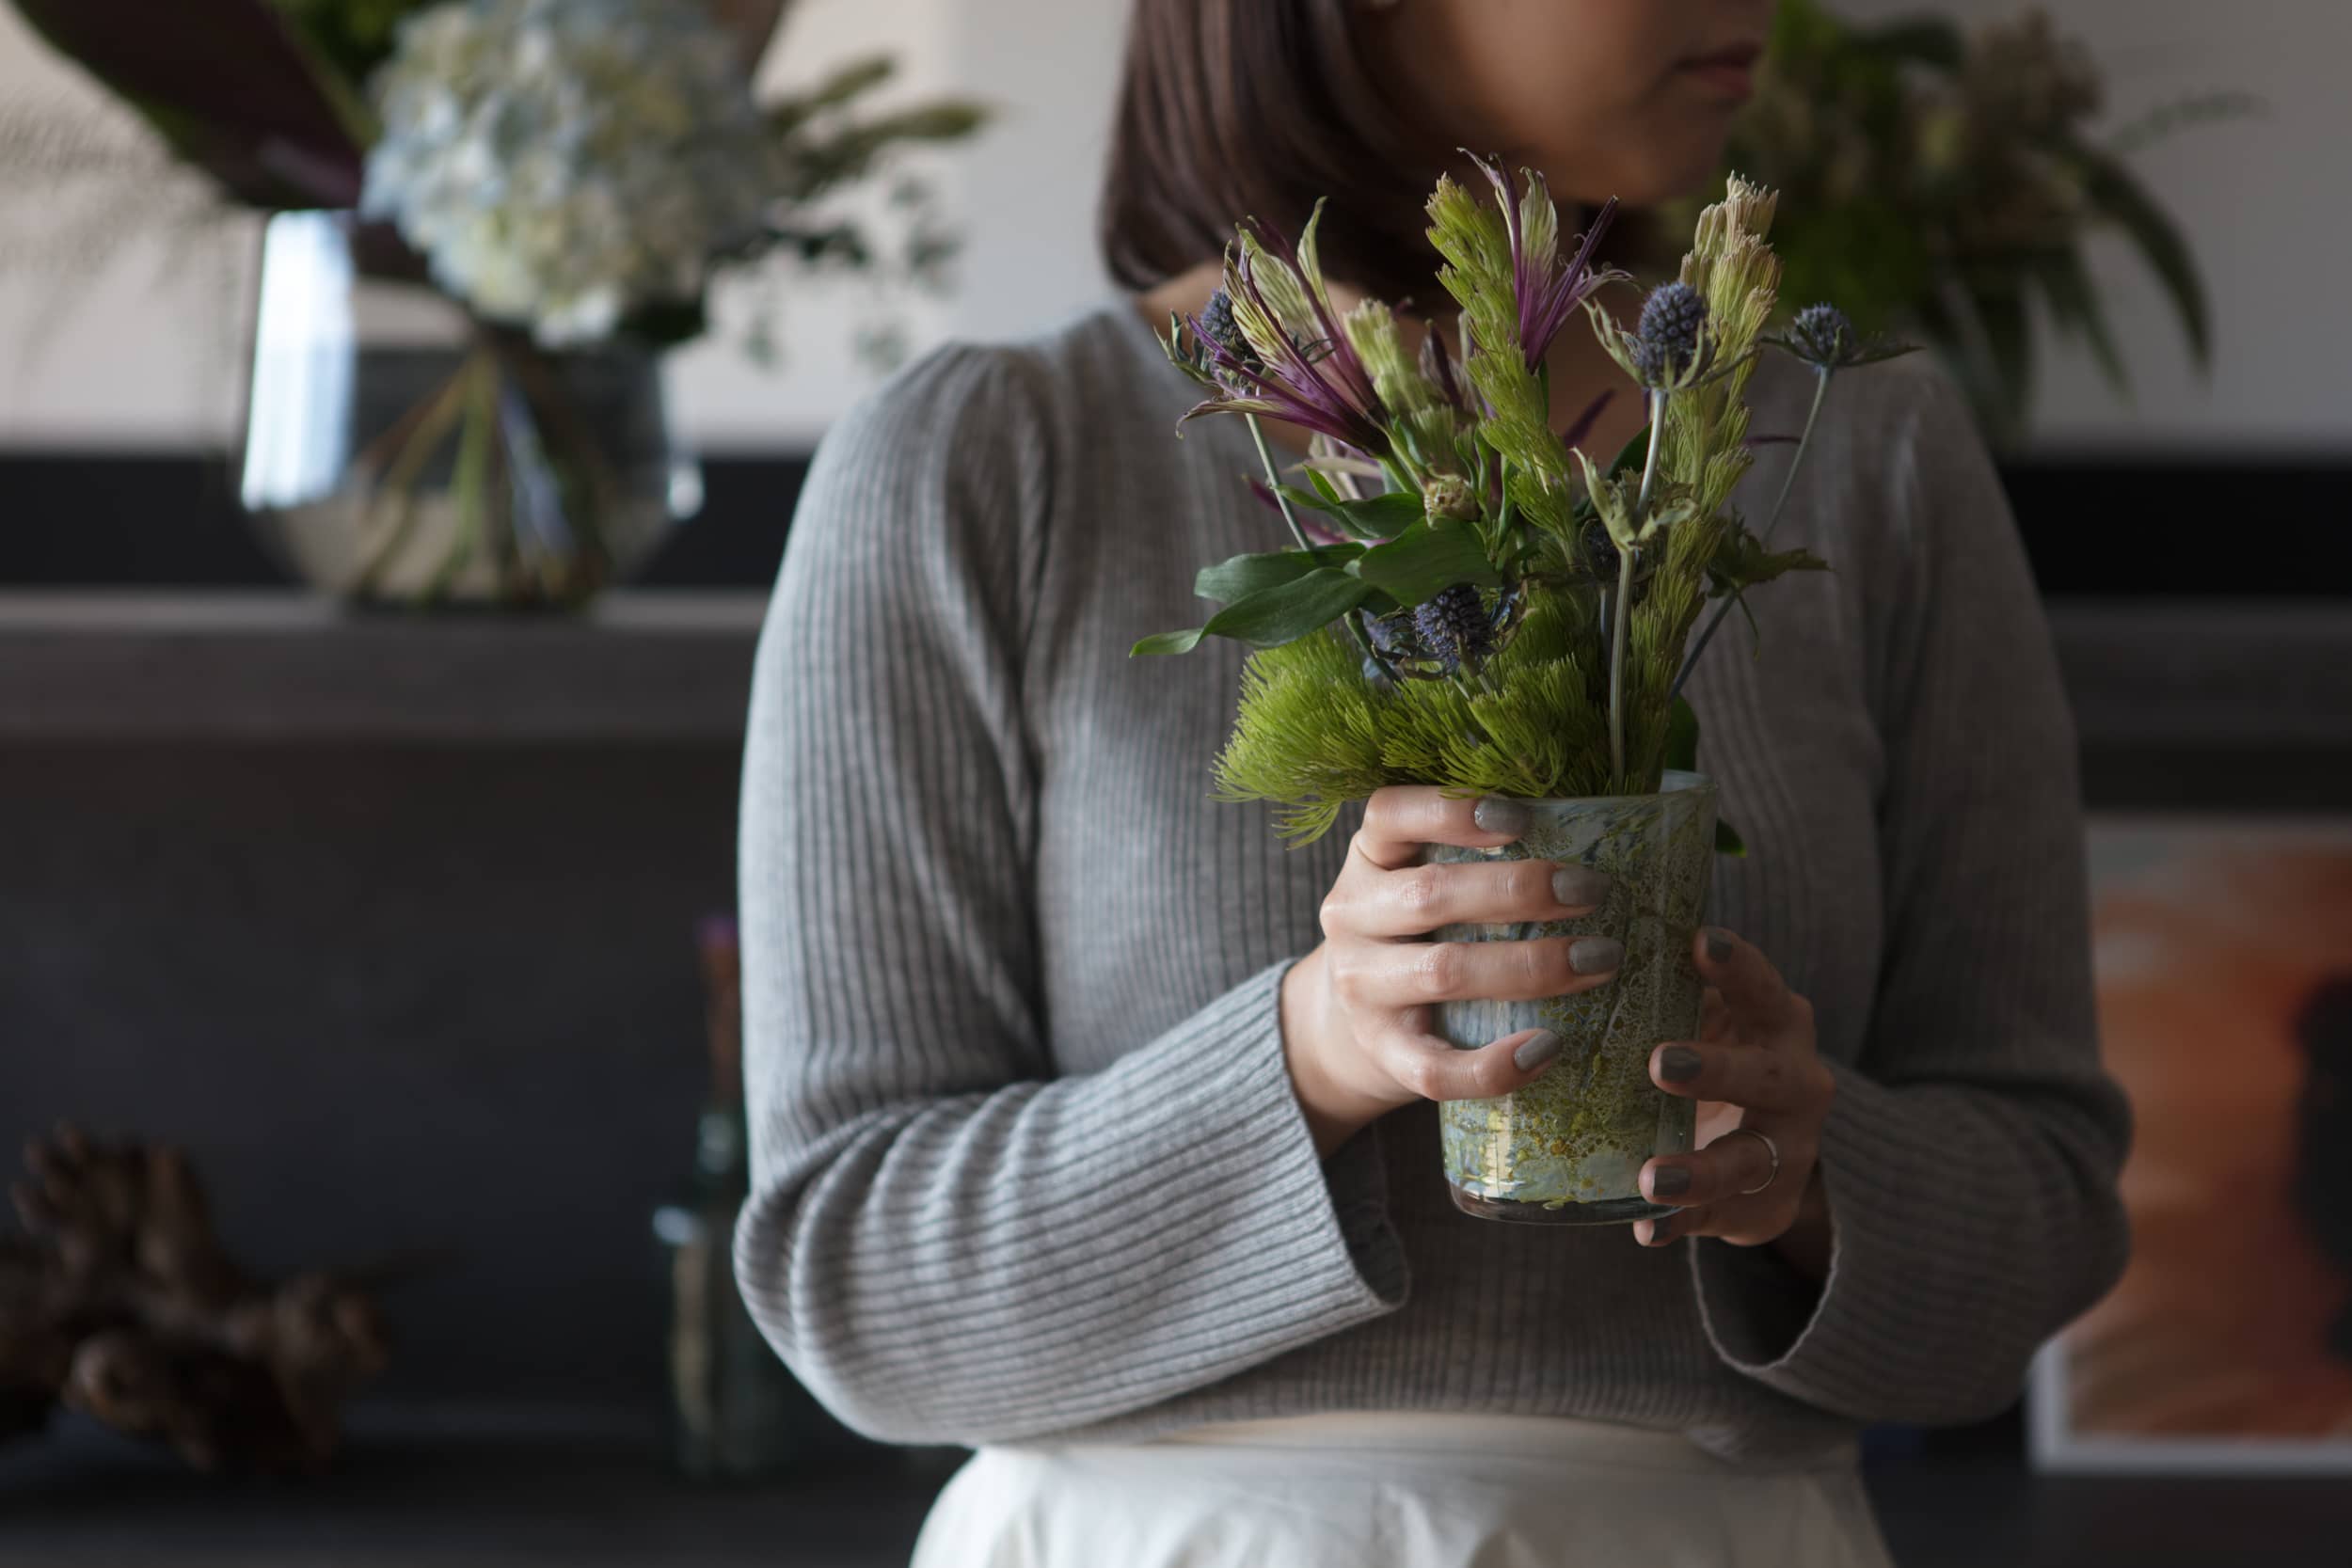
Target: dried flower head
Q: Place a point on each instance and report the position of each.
(1668, 338)
(1218, 326)
(1454, 627)
(1824, 337)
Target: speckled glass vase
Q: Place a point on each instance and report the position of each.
(1568, 1148)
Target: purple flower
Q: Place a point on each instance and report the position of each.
(1545, 291)
(1301, 367)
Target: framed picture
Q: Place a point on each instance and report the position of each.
(2223, 955)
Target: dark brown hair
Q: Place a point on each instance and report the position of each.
(1253, 108)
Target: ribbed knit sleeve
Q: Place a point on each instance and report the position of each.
(948, 1241)
(1970, 1159)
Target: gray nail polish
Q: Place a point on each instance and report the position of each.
(1659, 1236)
(1596, 955)
(1679, 1065)
(1500, 814)
(1718, 946)
(1671, 1181)
(1579, 885)
(1537, 1052)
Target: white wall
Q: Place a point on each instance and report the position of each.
(145, 352)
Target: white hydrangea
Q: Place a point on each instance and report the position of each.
(560, 162)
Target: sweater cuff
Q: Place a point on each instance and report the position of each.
(1354, 1210)
(1829, 1343)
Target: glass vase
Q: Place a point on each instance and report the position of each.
(399, 451)
(1569, 1148)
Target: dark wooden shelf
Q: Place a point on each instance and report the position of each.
(262, 666)
(2150, 679)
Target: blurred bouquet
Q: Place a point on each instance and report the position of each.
(576, 166)
(571, 176)
(1938, 178)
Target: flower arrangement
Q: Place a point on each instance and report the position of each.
(1505, 614)
(1508, 615)
(572, 175)
(1940, 178)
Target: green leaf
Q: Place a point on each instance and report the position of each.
(1631, 456)
(1289, 611)
(1168, 643)
(1422, 562)
(2074, 305)
(1380, 516)
(1728, 840)
(2121, 198)
(1244, 574)
(1682, 736)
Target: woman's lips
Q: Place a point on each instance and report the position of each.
(1730, 72)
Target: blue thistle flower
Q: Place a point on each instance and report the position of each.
(1218, 325)
(1824, 337)
(1821, 334)
(1666, 339)
(1391, 636)
(1455, 626)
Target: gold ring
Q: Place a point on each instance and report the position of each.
(1770, 1147)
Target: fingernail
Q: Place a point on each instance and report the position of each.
(1537, 1052)
(1499, 814)
(1596, 955)
(1660, 1235)
(1679, 1065)
(1579, 885)
(1671, 1181)
(1718, 946)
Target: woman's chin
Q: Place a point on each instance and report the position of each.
(1661, 170)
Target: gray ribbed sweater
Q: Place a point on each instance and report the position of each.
(1027, 1164)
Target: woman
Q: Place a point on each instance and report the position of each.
(1095, 1130)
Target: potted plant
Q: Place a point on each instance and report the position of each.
(1504, 615)
(489, 220)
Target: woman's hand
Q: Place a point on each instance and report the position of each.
(1754, 1067)
(1356, 1012)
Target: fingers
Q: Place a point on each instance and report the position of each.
(1373, 976)
(1421, 898)
(1427, 1066)
(1732, 1167)
(1767, 1080)
(1400, 818)
(1750, 986)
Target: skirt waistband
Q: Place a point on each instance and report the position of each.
(1446, 1432)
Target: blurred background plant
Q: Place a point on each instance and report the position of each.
(1938, 179)
(570, 176)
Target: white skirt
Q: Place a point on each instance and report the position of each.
(1412, 1489)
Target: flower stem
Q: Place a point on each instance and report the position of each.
(1650, 466)
(1625, 593)
(1796, 459)
(1274, 478)
(1616, 661)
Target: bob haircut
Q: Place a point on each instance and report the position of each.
(1230, 109)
